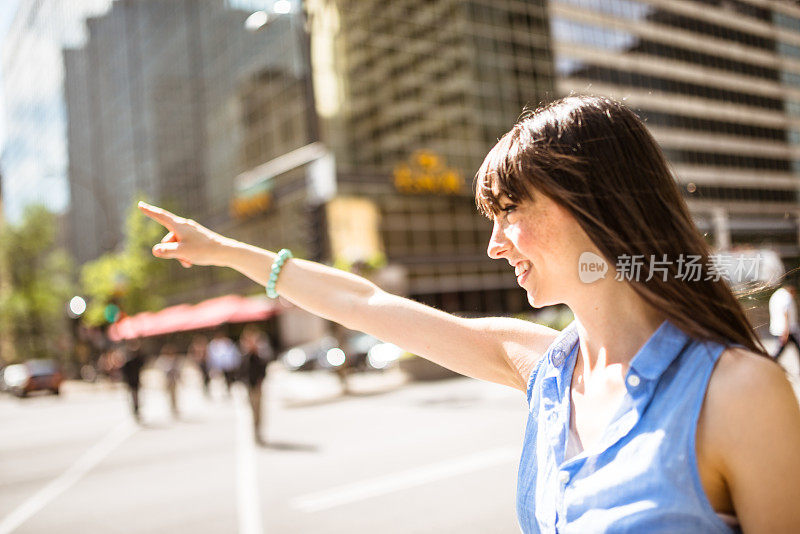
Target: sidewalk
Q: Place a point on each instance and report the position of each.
(291, 388)
(312, 387)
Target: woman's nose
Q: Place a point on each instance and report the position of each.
(498, 244)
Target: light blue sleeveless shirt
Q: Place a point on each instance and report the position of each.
(642, 475)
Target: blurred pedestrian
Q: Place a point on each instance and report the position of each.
(170, 363)
(783, 319)
(223, 357)
(110, 363)
(256, 355)
(131, 373)
(198, 353)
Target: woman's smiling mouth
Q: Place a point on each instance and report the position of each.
(521, 269)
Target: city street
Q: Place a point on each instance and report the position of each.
(393, 457)
(430, 457)
(241, 185)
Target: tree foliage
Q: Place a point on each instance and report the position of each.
(39, 284)
(126, 277)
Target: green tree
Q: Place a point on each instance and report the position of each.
(7, 352)
(125, 278)
(39, 283)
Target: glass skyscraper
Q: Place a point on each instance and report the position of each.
(718, 84)
(34, 155)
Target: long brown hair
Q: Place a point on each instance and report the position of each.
(594, 157)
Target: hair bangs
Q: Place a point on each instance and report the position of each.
(500, 176)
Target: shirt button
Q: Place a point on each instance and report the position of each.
(634, 381)
(563, 477)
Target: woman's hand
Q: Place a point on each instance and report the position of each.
(187, 241)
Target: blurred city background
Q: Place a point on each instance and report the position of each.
(350, 132)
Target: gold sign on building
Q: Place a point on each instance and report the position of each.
(252, 200)
(427, 172)
(243, 208)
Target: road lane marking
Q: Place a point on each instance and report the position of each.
(75, 472)
(247, 494)
(419, 476)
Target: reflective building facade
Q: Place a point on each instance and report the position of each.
(427, 89)
(718, 84)
(34, 154)
(165, 101)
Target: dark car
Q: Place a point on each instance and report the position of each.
(308, 356)
(33, 375)
(359, 352)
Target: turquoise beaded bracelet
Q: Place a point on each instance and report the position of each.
(277, 265)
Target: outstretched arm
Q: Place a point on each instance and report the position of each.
(495, 349)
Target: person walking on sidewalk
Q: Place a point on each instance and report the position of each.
(256, 355)
(170, 363)
(783, 319)
(198, 353)
(131, 374)
(224, 358)
(636, 410)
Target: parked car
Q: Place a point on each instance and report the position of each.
(366, 353)
(308, 355)
(33, 375)
(360, 352)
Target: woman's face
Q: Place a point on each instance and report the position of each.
(543, 243)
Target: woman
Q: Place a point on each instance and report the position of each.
(656, 410)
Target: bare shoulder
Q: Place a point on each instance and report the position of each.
(743, 377)
(524, 343)
(747, 388)
(750, 426)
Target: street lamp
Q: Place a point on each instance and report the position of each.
(76, 307)
(259, 19)
(321, 171)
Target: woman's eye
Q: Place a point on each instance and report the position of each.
(509, 208)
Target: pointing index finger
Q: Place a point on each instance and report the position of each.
(161, 216)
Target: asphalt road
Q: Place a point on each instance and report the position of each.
(391, 458)
(394, 458)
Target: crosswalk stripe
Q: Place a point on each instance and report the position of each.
(76, 471)
(247, 501)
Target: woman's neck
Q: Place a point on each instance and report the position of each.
(614, 322)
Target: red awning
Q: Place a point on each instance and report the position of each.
(183, 317)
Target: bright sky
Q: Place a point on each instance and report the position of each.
(7, 10)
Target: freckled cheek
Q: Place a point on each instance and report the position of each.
(528, 241)
(544, 245)
(519, 237)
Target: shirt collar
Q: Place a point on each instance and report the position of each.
(650, 362)
(560, 348)
(658, 352)
(558, 375)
